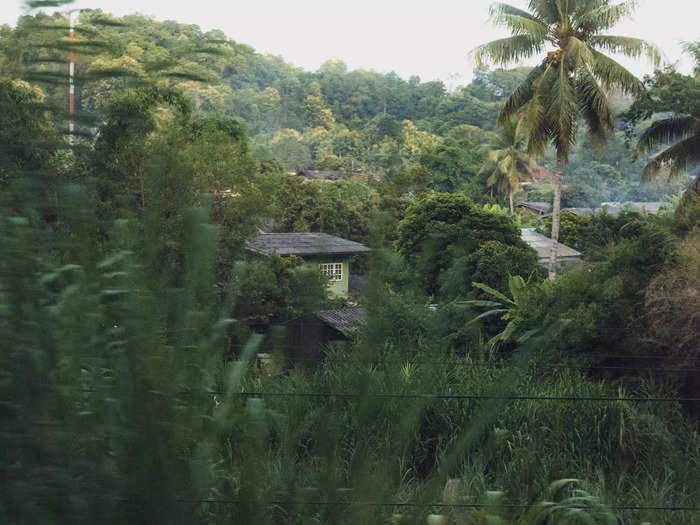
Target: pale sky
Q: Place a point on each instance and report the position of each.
(430, 39)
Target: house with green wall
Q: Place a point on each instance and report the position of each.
(331, 253)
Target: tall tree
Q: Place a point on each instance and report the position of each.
(508, 163)
(572, 81)
(679, 132)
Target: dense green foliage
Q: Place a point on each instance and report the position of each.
(670, 92)
(147, 375)
(442, 228)
(352, 121)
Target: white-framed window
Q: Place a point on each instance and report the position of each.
(334, 271)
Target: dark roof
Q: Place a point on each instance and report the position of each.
(346, 321)
(538, 207)
(543, 246)
(303, 244)
(580, 212)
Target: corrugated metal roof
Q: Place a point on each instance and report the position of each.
(614, 208)
(543, 246)
(303, 244)
(347, 321)
(580, 212)
(539, 207)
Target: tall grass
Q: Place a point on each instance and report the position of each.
(119, 403)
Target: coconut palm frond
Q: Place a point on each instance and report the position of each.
(612, 75)
(667, 131)
(595, 108)
(498, 8)
(603, 16)
(533, 121)
(536, 116)
(496, 154)
(676, 159)
(509, 133)
(693, 49)
(545, 10)
(628, 46)
(507, 50)
(578, 53)
(518, 21)
(505, 164)
(598, 131)
(563, 109)
(493, 179)
(521, 95)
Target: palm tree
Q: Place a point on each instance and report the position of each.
(572, 80)
(508, 164)
(680, 132)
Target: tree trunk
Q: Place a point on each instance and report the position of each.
(556, 211)
(510, 199)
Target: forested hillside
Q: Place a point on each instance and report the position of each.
(157, 368)
(330, 119)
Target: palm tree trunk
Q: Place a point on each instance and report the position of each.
(556, 211)
(510, 198)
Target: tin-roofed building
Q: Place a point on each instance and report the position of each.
(331, 253)
(543, 246)
(538, 208)
(579, 212)
(346, 321)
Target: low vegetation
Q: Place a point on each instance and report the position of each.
(149, 367)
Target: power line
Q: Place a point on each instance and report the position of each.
(323, 358)
(389, 396)
(463, 397)
(478, 365)
(667, 508)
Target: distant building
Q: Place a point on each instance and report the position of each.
(614, 208)
(579, 212)
(543, 246)
(330, 175)
(538, 208)
(331, 253)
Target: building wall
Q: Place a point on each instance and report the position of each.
(338, 288)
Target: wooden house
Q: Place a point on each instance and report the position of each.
(331, 253)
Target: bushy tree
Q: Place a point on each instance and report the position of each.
(27, 134)
(441, 227)
(492, 264)
(276, 289)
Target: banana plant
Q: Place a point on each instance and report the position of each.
(508, 308)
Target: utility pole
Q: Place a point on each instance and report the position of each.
(71, 89)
